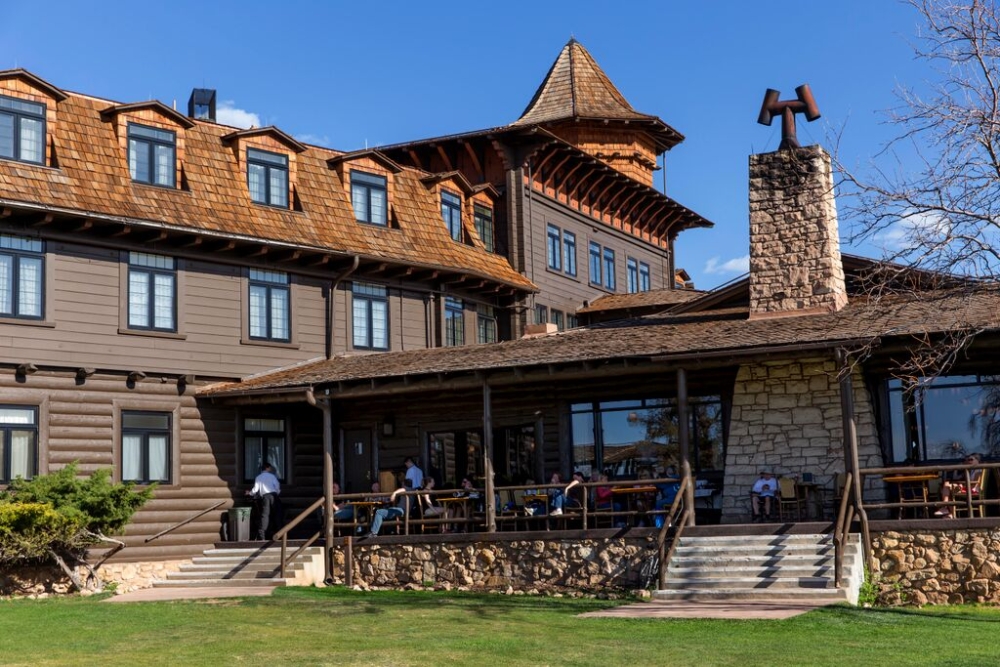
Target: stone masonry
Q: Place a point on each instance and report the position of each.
(787, 417)
(795, 264)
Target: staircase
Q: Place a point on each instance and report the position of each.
(765, 568)
(235, 566)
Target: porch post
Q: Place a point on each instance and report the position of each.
(850, 425)
(327, 488)
(491, 513)
(683, 420)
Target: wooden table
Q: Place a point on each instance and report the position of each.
(913, 490)
(454, 505)
(632, 496)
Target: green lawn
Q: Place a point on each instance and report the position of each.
(339, 627)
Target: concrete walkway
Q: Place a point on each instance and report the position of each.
(738, 609)
(193, 593)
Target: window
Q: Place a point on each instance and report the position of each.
(572, 321)
(371, 316)
(541, 315)
(609, 269)
(484, 226)
(18, 442)
(595, 263)
(263, 442)
(369, 198)
(267, 177)
(22, 130)
(269, 305)
(454, 322)
(557, 319)
(451, 211)
(486, 324)
(145, 447)
(554, 251)
(569, 253)
(22, 267)
(152, 155)
(152, 289)
(644, 282)
(632, 269)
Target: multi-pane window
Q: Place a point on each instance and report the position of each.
(371, 316)
(486, 324)
(22, 266)
(263, 442)
(609, 269)
(18, 442)
(369, 198)
(553, 248)
(152, 155)
(595, 263)
(541, 314)
(557, 319)
(632, 270)
(572, 321)
(267, 177)
(152, 292)
(569, 253)
(269, 305)
(644, 282)
(451, 211)
(454, 322)
(484, 226)
(22, 130)
(145, 446)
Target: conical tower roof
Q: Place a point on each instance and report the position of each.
(576, 88)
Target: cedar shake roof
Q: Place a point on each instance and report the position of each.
(576, 88)
(727, 333)
(664, 298)
(90, 177)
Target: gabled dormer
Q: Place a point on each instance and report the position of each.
(267, 156)
(28, 118)
(466, 210)
(368, 180)
(152, 139)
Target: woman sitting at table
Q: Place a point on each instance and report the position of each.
(429, 507)
(957, 484)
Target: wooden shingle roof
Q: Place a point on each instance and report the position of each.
(665, 298)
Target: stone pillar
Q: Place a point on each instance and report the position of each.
(795, 264)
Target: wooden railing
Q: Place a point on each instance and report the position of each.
(186, 521)
(969, 502)
(841, 531)
(282, 535)
(673, 517)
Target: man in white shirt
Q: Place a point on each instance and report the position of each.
(267, 489)
(764, 489)
(414, 476)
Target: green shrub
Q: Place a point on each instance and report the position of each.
(29, 530)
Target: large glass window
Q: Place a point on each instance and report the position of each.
(369, 198)
(22, 279)
(145, 447)
(152, 155)
(263, 442)
(454, 322)
(451, 211)
(632, 270)
(945, 418)
(22, 130)
(553, 248)
(595, 263)
(370, 316)
(569, 253)
(486, 324)
(269, 305)
(267, 177)
(557, 319)
(484, 226)
(152, 288)
(18, 442)
(609, 269)
(644, 282)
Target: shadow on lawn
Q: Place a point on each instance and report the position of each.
(963, 614)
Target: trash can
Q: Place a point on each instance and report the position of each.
(239, 524)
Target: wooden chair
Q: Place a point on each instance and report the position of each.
(788, 498)
(977, 492)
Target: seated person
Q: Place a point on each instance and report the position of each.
(667, 491)
(764, 493)
(956, 484)
(430, 508)
(342, 513)
(603, 495)
(383, 514)
(558, 498)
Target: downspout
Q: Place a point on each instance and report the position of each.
(330, 306)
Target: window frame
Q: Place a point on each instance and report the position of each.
(557, 318)
(609, 268)
(151, 273)
(483, 218)
(569, 253)
(454, 322)
(151, 143)
(17, 254)
(553, 248)
(596, 264)
(366, 182)
(270, 287)
(541, 314)
(6, 432)
(451, 214)
(281, 468)
(369, 300)
(632, 273)
(17, 117)
(487, 330)
(270, 162)
(144, 447)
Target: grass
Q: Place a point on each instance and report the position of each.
(341, 627)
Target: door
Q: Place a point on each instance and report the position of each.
(358, 461)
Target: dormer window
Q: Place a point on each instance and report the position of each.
(451, 211)
(267, 177)
(152, 155)
(22, 130)
(368, 196)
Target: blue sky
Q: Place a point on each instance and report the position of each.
(350, 74)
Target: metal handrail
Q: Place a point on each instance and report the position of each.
(661, 538)
(186, 521)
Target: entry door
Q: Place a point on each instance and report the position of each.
(358, 461)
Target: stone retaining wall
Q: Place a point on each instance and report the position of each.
(40, 581)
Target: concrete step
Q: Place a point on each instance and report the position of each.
(200, 583)
(827, 595)
(750, 583)
(235, 567)
(753, 540)
(782, 571)
(224, 574)
(270, 552)
(235, 561)
(758, 561)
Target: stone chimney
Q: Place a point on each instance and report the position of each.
(795, 265)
